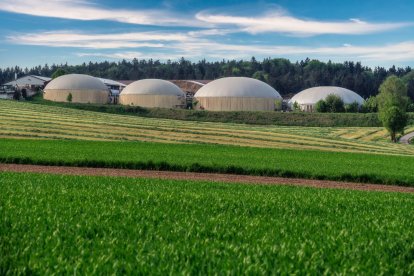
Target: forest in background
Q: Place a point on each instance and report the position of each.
(285, 76)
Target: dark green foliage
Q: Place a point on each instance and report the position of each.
(69, 98)
(24, 93)
(59, 72)
(352, 108)
(321, 106)
(285, 76)
(260, 75)
(370, 105)
(17, 95)
(358, 167)
(410, 107)
(68, 225)
(334, 103)
(393, 92)
(409, 82)
(278, 105)
(392, 106)
(394, 120)
(295, 106)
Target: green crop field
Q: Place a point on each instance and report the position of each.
(100, 225)
(358, 167)
(25, 120)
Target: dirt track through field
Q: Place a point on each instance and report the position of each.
(229, 178)
(407, 138)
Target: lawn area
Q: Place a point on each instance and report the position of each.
(25, 120)
(102, 225)
(357, 167)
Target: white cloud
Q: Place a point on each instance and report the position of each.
(280, 22)
(403, 51)
(162, 45)
(97, 41)
(132, 55)
(211, 32)
(87, 10)
(213, 50)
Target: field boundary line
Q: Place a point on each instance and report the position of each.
(214, 177)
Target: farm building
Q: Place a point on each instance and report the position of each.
(190, 87)
(82, 88)
(236, 94)
(153, 93)
(7, 91)
(114, 86)
(30, 82)
(28, 85)
(307, 99)
(115, 89)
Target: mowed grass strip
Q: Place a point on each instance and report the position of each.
(368, 168)
(102, 225)
(133, 128)
(384, 135)
(115, 133)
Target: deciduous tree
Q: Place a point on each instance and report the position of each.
(392, 106)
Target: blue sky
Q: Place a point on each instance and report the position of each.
(378, 33)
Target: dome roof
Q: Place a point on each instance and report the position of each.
(315, 94)
(152, 87)
(76, 82)
(238, 87)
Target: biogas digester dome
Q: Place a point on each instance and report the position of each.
(308, 98)
(83, 88)
(153, 93)
(237, 94)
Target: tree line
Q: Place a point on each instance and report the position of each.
(285, 76)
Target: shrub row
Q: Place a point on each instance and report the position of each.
(244, 117)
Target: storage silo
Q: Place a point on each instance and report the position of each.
(237, 94)
(153, 93)
(76, 88)
(307, 99)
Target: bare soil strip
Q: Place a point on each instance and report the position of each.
(229, 178)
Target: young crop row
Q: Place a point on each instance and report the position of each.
(357, 167)
(29, 120)
(102, 225)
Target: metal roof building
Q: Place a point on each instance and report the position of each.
(237, 94)
(29, 81)
(114, 86)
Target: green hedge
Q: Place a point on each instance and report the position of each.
(245, 117)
